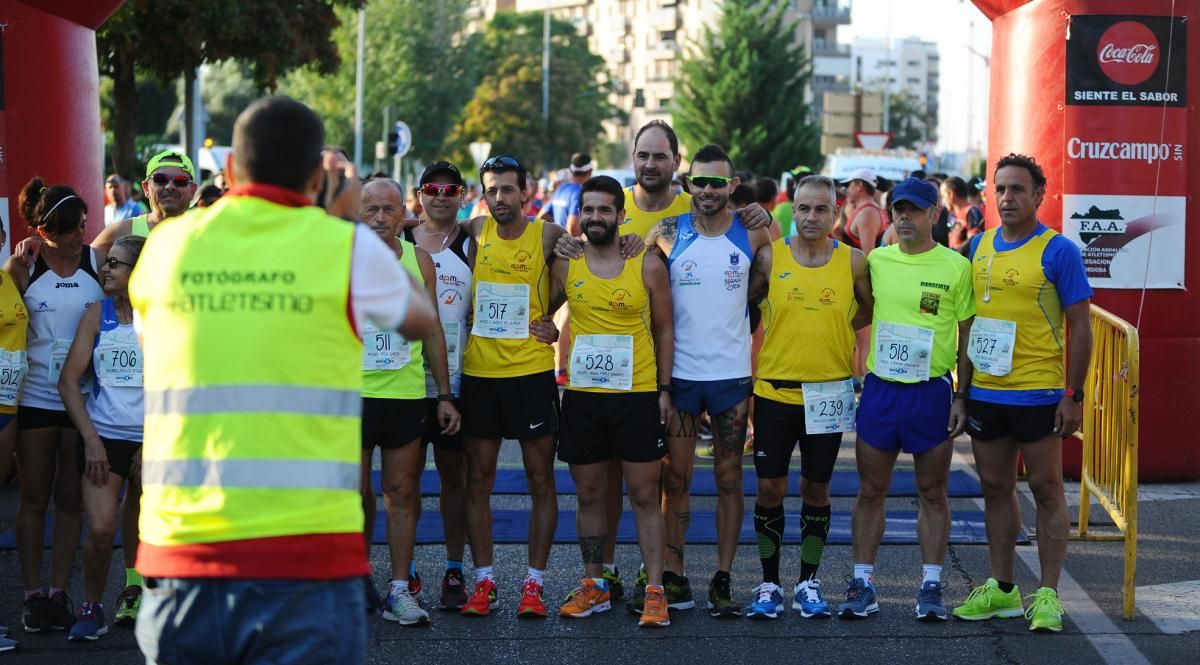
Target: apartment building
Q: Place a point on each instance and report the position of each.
(909, 66)
(643, 42)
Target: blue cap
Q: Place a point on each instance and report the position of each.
(917, 192)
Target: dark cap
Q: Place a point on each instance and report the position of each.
(441, 167)
(917, 192)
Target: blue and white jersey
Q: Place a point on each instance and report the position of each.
(709, 280)
(116, 405)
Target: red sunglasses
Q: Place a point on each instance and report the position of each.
(161, 179)
(432, 189)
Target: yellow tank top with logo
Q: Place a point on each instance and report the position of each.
(394, 368)
(640, 222)
(617, 311)
(14, 321)
(1012, 286)
(512, 287)
(807, 332)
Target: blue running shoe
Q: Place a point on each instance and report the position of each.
(89, 623)
(808, 601)
(929, 602)
(860, 600)
(768, 601)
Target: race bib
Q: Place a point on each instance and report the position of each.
(602, 361)
(829, 407)
(991, 345)
(12, 373)
(119, 360)
(902, 353)
(58, 357)
(453, 346)
(384, 349)
(501, 311)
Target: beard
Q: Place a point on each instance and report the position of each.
(600, 237)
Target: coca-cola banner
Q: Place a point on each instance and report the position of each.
(1125, 171)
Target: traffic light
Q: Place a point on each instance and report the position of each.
(393, 143)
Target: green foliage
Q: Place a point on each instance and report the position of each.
(507, 106)
(743, 86)
(416, 63)
(226, 89)
(908, 119)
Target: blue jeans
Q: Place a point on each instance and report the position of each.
(208, 621)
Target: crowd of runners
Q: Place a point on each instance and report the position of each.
(262, 349)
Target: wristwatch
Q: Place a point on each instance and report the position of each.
(962, 395)
(1075, 395)
(445, 397)
(664, 387)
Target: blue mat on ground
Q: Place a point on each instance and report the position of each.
(704, 483)
(512, 526)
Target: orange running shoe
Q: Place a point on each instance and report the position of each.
(531, 600)
(588, 600)
(654, 613)
(483, 600)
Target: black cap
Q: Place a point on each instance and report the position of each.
(441, 167)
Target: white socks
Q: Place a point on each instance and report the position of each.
(864, 572)
(931, 573)
(537, 575)
(483, 573)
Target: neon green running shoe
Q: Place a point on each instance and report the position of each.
(988, 601)
(1046, 612)
(127, 606)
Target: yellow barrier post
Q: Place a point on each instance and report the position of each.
(1110, 437)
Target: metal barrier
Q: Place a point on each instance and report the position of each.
(1110, 437)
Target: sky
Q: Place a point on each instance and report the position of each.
(952, 25)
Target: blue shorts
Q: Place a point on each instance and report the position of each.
(712, 396)
(911, 417)
(6, 419)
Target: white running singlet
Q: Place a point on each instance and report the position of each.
(454, 304)
(709, 280)
(55, 306)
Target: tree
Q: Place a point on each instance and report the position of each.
(507, 106)
(743, 85)
(417, 64)
(169, 41)
(908, 120)
(226, 89)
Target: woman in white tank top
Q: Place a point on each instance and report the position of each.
(57, 288)
(109, 422)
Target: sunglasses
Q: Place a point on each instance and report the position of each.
(432, 189)
(713, 181)
(161, 179)
(112, 263)
(502, 162)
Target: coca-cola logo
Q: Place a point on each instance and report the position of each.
(1128, 52)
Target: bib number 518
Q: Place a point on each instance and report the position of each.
(898, 352)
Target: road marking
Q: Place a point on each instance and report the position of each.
(1172, 607)
(1110, 643)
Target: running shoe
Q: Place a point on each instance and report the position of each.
(89, 623)
(128, 604)
(808, 601)
(720, 600)
(482, 600)
(768, 602)
(987, 601)
(371, 595)
(860, 600)
(531, 605)
(7, 644)
(706, 452)
(415, 587)
(748, 447)
(400, 606)
(616, 586)
(454, 590)
(59, 607)
(705, 432)
(679, 594)
(929, 602)
(637, 601)
(1046, 612)
(587, 600)
(3, 631)
(35, 616)
(654, 614)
